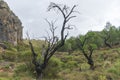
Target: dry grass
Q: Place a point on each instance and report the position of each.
(74, 67)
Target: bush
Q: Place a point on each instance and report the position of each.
(67, 58)
(25, 56)
(71, 64)
(9, 55)
(22, 47)
(21, 68)
(115, 69)
(84, 66)
(53, 68)
(102, 77)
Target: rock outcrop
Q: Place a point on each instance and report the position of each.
(10, 25)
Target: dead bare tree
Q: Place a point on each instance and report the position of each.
(53, 42)
(88, 54)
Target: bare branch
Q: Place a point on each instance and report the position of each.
(70, 18)
(65, 8)
(33, 53)
(77, 12)
(53, 5)
(66, 36)
(69, 27)
(28, 35)
(71, 11)
(48, 22)
(53, 42)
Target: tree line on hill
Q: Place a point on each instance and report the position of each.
(108, 37)
(92, 40)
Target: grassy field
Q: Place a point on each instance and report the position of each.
(15, 64)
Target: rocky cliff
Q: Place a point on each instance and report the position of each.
(10, 25)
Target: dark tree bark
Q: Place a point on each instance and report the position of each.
(106, 38)
(106, 42)
(53, 43)
(88, 55)
(90, 61)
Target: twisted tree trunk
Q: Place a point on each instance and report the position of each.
(53, 42)
(39, 76)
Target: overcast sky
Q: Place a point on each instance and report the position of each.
(93, 15)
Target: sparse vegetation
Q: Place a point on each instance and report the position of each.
(63, 66)
(62, 58)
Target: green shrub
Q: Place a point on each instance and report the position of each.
(102, 77)
(115, 69)
(25, 56)
(16, 78)
(9, 55)
(84, 66)
(53, 68)
(67, 58)
(22, 47)
(21, 68)
(71, 64)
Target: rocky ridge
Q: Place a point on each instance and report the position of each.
(10, 25)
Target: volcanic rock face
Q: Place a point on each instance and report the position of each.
(10, 25)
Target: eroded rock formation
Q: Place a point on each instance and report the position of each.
(10, 25)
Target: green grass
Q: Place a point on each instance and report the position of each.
(62, 66)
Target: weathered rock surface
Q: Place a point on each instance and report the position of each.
(10, 25)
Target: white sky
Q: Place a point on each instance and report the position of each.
(93, 15)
